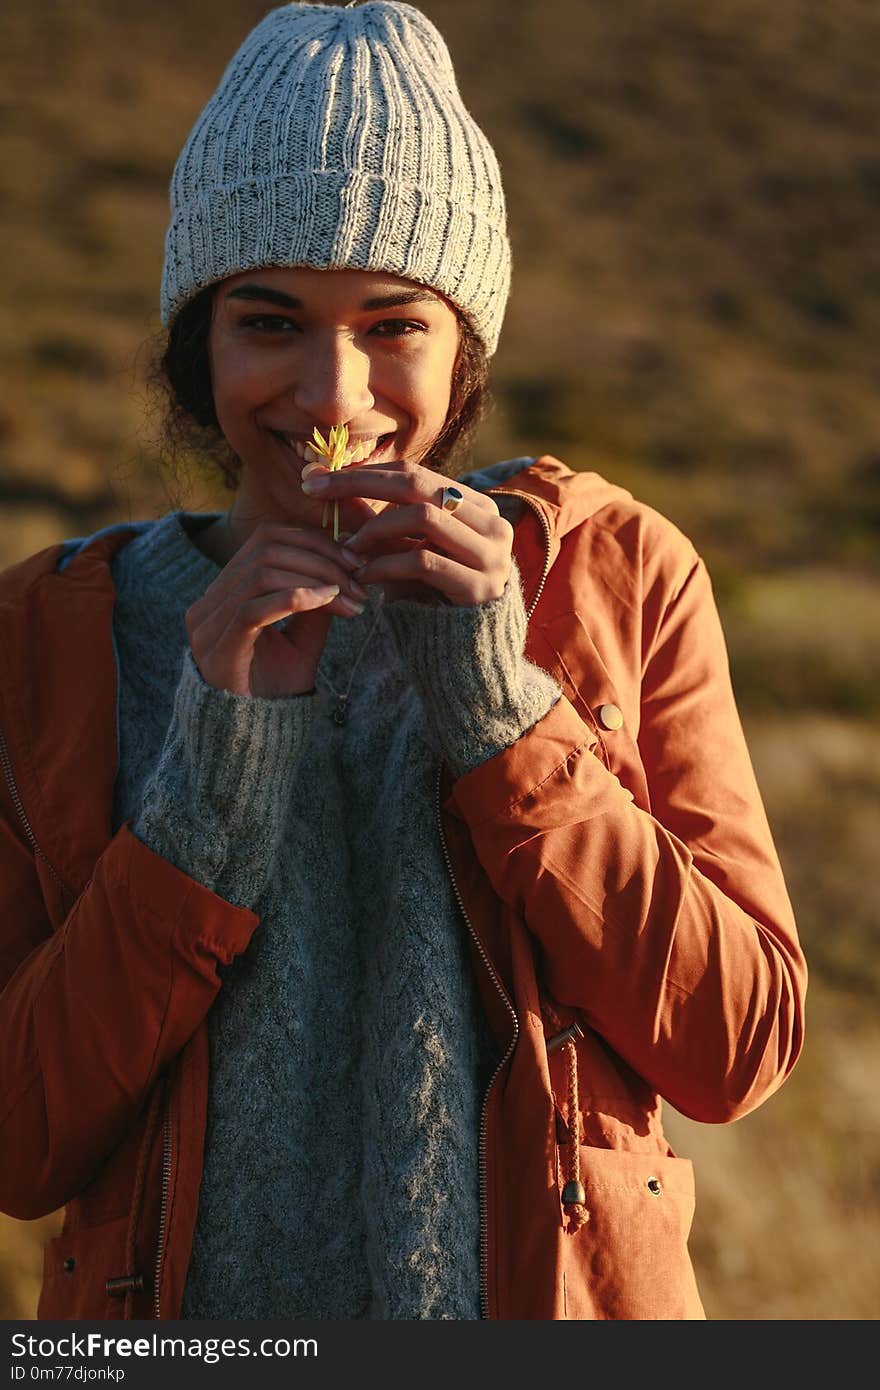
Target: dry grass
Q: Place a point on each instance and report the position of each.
(788, 1223)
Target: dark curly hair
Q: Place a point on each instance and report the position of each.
(181, 374)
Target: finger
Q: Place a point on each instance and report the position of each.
(308, 634)
(458, 583)
(277, 536)
(399, 483)
(293, 589)
(353, 512)
(251, 627)
(298, 550)
(249, 620)
(317, 535)
(470, 538)
(279, 567)
(351, 596)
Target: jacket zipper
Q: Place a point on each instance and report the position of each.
(545, 526)
(163, 1207)
(22, 815)
(484, 1246)
(166, 1132)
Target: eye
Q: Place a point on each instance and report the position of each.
(396, 328)
(268, 323)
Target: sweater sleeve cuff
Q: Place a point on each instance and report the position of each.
(479, 690)
(215, 803)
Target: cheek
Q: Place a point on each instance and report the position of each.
(431, 388)
(241, 381)
(227, 375)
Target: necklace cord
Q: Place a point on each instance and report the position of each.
(342, 695)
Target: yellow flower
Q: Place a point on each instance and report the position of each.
(338, 455)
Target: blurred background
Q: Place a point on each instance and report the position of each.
(693, 194)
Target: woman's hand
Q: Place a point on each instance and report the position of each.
(415, 548)
(279, 572)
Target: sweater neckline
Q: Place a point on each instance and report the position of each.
(162, 571)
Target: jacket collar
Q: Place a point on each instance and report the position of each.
(559, 500)
(565, 498)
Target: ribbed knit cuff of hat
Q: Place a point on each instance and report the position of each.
(215, 803)
(467, 662)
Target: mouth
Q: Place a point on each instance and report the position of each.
(366, 451)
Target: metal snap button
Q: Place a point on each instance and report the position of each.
(654, 1187)
(610, 717)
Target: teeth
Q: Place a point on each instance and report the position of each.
(306, 452)
(363, 450)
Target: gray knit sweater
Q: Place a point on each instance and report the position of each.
(348, 1049)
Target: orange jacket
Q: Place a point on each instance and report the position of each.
(622, 871)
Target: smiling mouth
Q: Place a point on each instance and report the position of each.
(367, 451)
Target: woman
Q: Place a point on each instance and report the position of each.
(363, 896)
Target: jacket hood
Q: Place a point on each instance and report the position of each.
(567, 498)
(553, 481)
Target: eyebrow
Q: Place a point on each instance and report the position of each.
(289, 301)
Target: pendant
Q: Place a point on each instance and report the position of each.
(339, 712)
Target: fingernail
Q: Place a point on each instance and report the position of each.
(357, 589)
(350, 605)
(319, 484)
(310, 468)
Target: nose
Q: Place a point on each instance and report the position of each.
(333, 383)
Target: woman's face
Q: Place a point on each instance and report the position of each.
(292, 348)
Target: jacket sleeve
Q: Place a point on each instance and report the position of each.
(92, 1012)
(671, 930)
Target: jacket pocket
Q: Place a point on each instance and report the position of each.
(76, 1267)
(630, 1260)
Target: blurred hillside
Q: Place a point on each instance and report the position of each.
(693, 191)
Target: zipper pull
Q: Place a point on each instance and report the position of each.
(569, 1034)
(122, 1284)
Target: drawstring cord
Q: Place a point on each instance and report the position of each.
(574, 1197)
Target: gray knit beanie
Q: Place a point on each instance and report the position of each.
(337, 138)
